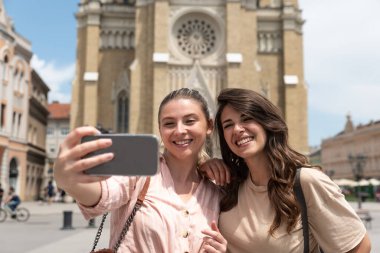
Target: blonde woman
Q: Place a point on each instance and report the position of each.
(180, 207)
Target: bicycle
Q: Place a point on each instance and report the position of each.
(21, 214)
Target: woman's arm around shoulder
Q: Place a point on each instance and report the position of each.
(216, 170)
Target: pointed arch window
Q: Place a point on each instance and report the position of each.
(122, 112)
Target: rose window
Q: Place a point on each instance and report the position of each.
(196, 37)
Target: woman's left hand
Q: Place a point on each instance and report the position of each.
(213, 242)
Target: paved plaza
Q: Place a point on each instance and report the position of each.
(46, 231)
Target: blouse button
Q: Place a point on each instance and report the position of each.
(186, 213)
(185, 234)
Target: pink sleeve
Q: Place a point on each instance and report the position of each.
(116, 191)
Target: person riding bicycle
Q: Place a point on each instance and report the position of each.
(12, 201)
(1, 195)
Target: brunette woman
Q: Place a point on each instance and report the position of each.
(260, 212)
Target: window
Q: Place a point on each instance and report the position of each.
(35, 133)
(64, 131)
(19, 124)
(49, 131)
(21, 86)
(15, 80)
(52, 148)
(5, 69)
(122, 113)
(196, 36)
(30, 132)
(2, 115)
(14, 124)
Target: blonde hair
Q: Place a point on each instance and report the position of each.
(196, 96)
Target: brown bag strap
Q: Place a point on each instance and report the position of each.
(128, 223)
(143, 192)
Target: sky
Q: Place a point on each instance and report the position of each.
(341, 56)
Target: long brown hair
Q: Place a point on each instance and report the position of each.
(283, 160)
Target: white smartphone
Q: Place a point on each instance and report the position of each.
(134, 155)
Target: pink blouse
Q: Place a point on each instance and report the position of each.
(165, 223)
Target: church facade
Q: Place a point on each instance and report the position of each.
(130, 54)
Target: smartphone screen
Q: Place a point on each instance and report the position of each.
(134, 155)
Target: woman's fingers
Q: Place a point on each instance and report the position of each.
(75, 136)
(87, 163)
(85, 148)
(214, 241)
(215, 169)
(207, 170)
(220, 171)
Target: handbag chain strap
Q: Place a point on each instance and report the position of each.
(100, 229)
(128, 223)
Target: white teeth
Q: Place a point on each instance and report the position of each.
(244, 140)
(182, 142)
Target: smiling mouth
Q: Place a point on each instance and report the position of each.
(244, 141)
(183, 142)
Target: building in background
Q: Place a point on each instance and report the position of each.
(37, 124)
(57, 129)
(130, 54)
(22, 125)
(15, 77)
(315, 155)
(356, 147)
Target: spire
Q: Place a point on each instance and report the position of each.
(3, 16)
(349, 127)
(5, 21)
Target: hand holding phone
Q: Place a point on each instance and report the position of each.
(134, 155)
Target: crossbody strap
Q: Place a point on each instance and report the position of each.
(301, 200)
(128, 223)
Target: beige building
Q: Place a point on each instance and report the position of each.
(15, 77)
(22, 95)
(37, 123)
(58, 128)
(355, 147)
(129, 56)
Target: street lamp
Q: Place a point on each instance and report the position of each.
(357, 164)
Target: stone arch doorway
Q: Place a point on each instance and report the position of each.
(13, 172)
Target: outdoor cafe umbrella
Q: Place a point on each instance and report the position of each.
(363, 182)
(374, 181)
(345, 182)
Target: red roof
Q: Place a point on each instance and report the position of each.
(59, 111)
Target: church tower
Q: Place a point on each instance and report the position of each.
(130, 54)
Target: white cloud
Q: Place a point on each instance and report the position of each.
(58, 79)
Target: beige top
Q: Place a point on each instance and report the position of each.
(333, 223)
(165, 223)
